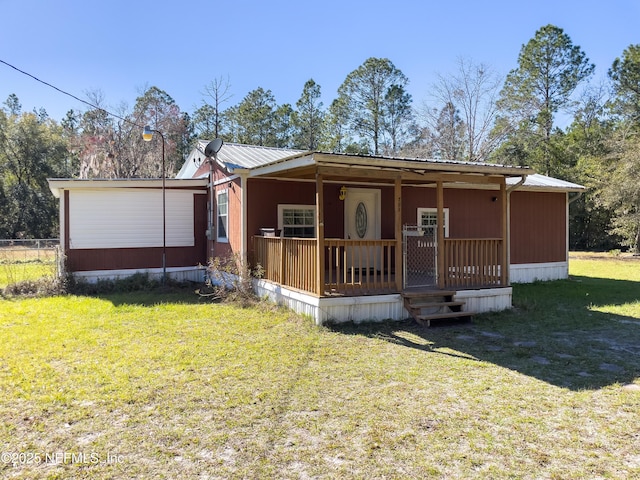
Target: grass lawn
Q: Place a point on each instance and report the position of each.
(18, 272)
(150, 385)
(20, 264)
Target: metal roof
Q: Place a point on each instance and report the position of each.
(235, 155)
(542, 182)
(438, 161)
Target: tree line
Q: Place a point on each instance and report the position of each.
(472, 114)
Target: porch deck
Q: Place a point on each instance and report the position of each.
(369, 267)
(372, 307)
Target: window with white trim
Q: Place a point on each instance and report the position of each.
(223, 216)
(297, 221)
(428, 217)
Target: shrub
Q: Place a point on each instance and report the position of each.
(43, 286)
(229, 279)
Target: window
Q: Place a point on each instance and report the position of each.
(297, 220)
(223, 216)
(428, 217)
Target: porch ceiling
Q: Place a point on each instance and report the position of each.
(345, 168)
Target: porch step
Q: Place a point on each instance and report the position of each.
(436, 304)
(427, 319)
(425, 306)
(427, 293)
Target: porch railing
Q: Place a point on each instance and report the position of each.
(352, 266)
(357, 267)
(472, 262)
(288, 261)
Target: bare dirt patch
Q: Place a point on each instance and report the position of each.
(604, 256)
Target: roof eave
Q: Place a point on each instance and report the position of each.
(306, 159)
(57, 185)
(288, 163)
(424, 165)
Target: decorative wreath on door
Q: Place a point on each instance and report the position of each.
(361, 220)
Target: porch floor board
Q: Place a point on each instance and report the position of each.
(349, 290)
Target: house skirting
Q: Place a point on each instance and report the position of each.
(178, 274)
(327, 310)
(532, 272)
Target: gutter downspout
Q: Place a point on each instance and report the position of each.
(571, 200)
(509, 190)
(517, 185)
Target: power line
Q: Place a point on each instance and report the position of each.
(70, 94)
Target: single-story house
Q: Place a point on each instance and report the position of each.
(339, 237)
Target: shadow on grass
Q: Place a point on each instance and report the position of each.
(150, 298)
(554, 333)
(147, 297)
(139, 290)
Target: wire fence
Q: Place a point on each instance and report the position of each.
(28, 259)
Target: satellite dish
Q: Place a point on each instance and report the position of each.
(213, 147)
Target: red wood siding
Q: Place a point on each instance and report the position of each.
(538, 219)
(234, 220)
(472, 213)
(414, 198)
(264, 196)
(538, 227)
(80, 260)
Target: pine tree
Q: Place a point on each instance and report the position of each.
(366, 95)
(550, 68)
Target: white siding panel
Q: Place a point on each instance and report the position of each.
(179, 274)
(486, 300)
(534, 272)
(129, 218)
(371, 308)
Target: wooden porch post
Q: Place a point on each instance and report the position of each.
(440, 253)
(504, 265)
(397, 193)
(320, 235)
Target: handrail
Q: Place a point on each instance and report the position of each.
(472, 262)
(288, 261)
(360, 267)
(352, 266)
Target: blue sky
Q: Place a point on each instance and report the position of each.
(119, 47)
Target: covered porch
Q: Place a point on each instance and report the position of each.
(355, 264)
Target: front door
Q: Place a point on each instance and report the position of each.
(362, 222)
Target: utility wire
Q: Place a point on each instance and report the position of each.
(70, 95)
